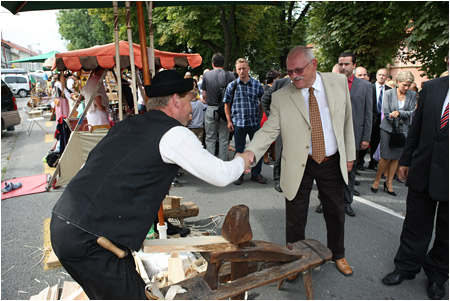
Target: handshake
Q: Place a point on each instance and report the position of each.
(248, 157)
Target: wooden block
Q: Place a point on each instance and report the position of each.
(186, 209)
(236, 226)
(175, 268)
(189, 244)
(52, 260)
(53, 293)
(173, 201)
(73, 291)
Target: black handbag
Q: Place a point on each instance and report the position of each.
(397, 138)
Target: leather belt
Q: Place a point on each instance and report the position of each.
(324, 159)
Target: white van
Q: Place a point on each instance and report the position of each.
(20, 84)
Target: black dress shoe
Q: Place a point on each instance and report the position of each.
(350, 211)
(394, 278)
(259, 178)
(435, 291)
(278, 187)
(175, 183)
(319, 209)
(357, 183)
(355, 192)
(357, 173)
(239, 181)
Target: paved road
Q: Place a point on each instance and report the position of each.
(372, 237)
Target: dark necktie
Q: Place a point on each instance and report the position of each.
(444, 119)
(317, 139)
(380, 100)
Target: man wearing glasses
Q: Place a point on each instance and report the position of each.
(314, 116)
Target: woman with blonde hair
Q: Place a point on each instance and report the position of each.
(398, 105)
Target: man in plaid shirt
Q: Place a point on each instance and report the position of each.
(242, 109)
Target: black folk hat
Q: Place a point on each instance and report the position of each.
(168, 82)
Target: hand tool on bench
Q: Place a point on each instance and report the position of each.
(279, 262)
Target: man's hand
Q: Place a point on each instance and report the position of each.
(403, 170)
(248, 157)
(364, 145)
(349, 166)
(230, 126)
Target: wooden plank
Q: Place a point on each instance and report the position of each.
(189, 244)
(186, 209)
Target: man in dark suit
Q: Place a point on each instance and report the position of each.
(424, 165)
(266, 100)
(379, 89)
(361, 98)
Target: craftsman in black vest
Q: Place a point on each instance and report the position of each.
(119, 190)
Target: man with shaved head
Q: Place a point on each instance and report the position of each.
(361, 72)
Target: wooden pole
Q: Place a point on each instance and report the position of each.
(132, 66)
(152, 44)
(116, 38)
(144, 55)
(161, 215)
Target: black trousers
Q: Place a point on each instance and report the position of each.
(350, 187)
(277, 164)
(101, 274)
(413, 254)
(331, 189)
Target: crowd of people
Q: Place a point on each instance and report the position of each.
(324, 123)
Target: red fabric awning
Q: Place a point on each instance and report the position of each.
(104, 56)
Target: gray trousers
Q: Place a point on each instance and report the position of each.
(348, 195)
(216, 130)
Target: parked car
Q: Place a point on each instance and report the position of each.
(18, 83)
(10, 115)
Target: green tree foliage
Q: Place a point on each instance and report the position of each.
(83, 29)
(427, 37)
(371, 30)
(263, 34)
(375, 31)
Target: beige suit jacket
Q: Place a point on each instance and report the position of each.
(289, 115)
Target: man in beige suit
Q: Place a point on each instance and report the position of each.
(318, 144)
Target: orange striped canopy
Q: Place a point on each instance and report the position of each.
(104, 57)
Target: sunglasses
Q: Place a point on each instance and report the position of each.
(298, 70)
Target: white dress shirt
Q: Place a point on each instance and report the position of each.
(180, 146)
(445, 104)
(377, 89)
(325, 116)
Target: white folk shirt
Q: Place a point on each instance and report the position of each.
(180, 146)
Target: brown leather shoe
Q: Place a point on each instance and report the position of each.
(292, 277)
(343, 267)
